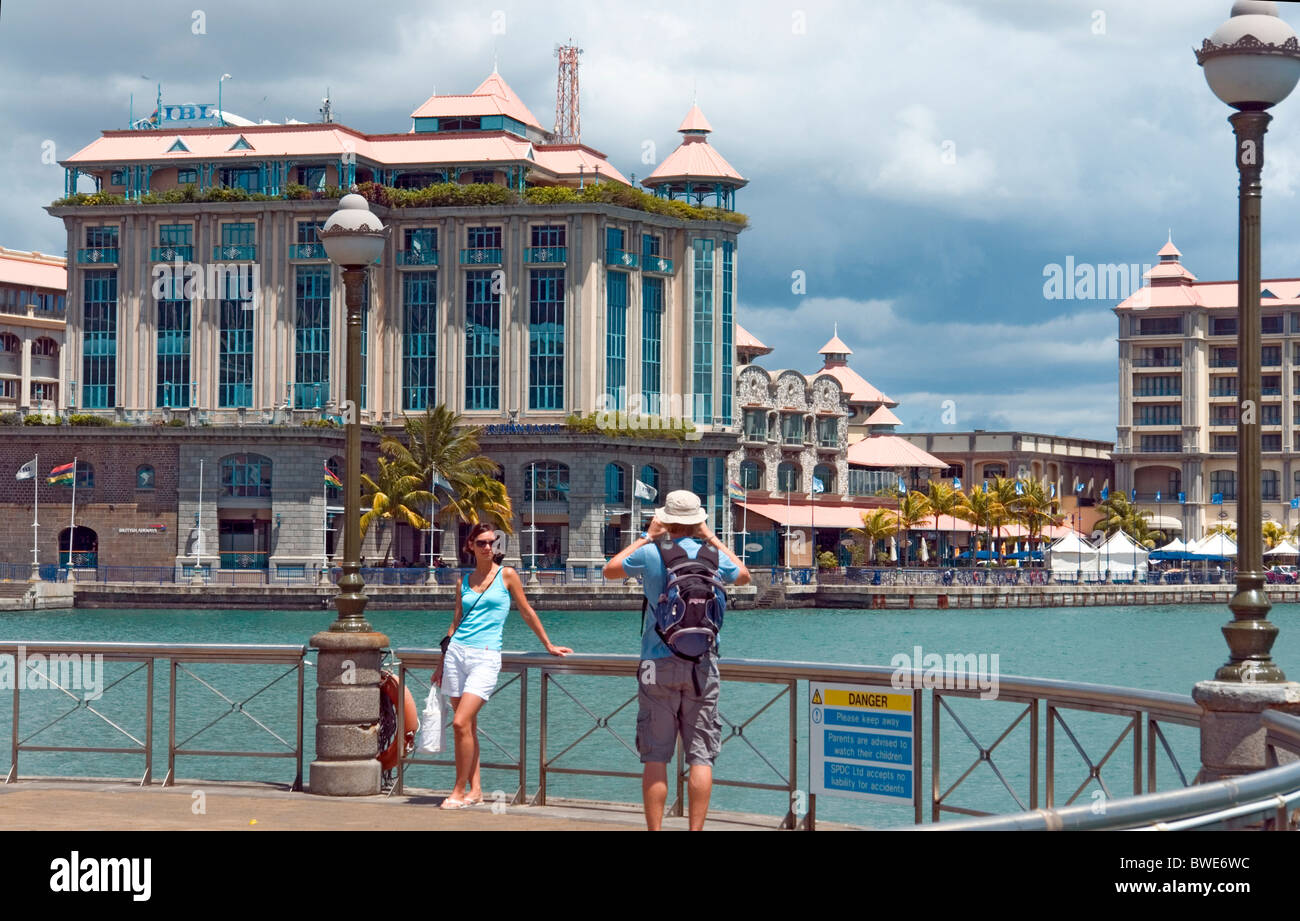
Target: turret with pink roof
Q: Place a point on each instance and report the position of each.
(695, 171)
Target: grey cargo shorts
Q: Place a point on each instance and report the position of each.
(667, 706)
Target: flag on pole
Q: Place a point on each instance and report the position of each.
(27, 471)
(1133, 494)
(1078, 486)
(1053, 493)
(956, 482)
(1216, 499)
(647, 492)
(1295, 503)
(817, 485)
(736, 491)
(331, 478)
(902, 486)
(1105, 493)
(439, 480)
(1020, 488)
(1182, 498)
(63, 476)
(1157, 495)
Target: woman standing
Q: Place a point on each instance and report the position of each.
(471, 653)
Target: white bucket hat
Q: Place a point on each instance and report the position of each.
(681, 507)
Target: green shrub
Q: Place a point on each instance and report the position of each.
(38, 419)
(174, 423)
(321, 423)
(88, 419)
(10, 419)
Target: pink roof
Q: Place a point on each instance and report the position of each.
(946, 523)
(32, 270)
(890, 451)
(749, 342)
(214, 143)
(694, 159)
(455, 148)
(493, 97)
(1169, 250)
(695, 121)
(830, 514)
(1210, 294)
(835, 347)
(855, 385)
(882, 416)
(564, 160)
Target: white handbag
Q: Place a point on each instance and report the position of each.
(429, 738)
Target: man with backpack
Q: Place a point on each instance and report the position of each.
(683, 566)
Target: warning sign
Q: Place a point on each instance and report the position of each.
(862, 743)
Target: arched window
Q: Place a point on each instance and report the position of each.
(246, 476)
(650, 477)
(552, 481)
(787, 477)
(615, 484)
(1224, 483)
(827, 475)
(749, 475)
(9, 343)
(994, 470)
(144, 477)
(45, 347)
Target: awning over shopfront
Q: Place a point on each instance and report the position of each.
(803, 515)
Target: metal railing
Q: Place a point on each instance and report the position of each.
(546, 254)
(656, 264)
(1050, 713)
(179, 656)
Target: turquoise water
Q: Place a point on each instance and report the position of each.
(1156, 647)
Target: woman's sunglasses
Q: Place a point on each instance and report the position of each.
(484, 543)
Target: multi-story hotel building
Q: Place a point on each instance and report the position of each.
(32, 291)
(526, 300)
(1178, 402)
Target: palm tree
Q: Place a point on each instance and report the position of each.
(1229, 529)
(1038, 509)
(395, 495)
(944, 500)
(912, 509)
(483, 498)
(877, 526)
(1118, 514)
(1274, 534)
(1005, 490)
(981, 506)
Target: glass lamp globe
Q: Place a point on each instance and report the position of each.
(352, 235)
(1252, 61)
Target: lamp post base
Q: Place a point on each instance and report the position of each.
(347, 714)
(1232, 736)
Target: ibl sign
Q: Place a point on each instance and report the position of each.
(189, 112)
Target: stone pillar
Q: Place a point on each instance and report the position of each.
(347, 714)
(1232, 738)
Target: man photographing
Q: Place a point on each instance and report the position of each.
(683, 565)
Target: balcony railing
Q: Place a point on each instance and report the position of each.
(1175, 362)
(97, 256)
(622, 258)
(1223, 363)
(1157, 393)
(235, 252)
(307, 251)
(417, 257)
(1155, 420)
(481, 256)
(658, 264)
(1224, 392)
(546, 255)
(172, 252)
(244, 559)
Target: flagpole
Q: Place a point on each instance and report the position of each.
(812, 525)
(197, 577)
(36, 518)
(744, 530)
(72, 530)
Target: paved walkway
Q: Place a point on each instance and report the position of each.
(105, 806)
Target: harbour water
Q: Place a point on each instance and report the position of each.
(1166, 648)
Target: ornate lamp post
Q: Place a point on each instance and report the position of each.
(347, 672)
(353, 239)
(1252, 62)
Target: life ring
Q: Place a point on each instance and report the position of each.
(388, 750)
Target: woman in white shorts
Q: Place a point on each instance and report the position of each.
(471, 653)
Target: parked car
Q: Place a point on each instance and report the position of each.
(1286, 575)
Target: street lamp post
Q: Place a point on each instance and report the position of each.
(1251, 62)
(221, 115)
(348, 664)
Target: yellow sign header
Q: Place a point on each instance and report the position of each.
(868, 700)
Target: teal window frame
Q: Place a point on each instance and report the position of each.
(419, 340)
(615, 484)
(482, 341)
(749, 475)
(311, 388)
(616, 286)
(552, 478)
(102, 237)
(728, 329)
(246, 476)
(235, 348)
(172, 335)
(546, 290)
(548, 235)
(99, 349)
(652, 318)
(187, 176)
(702, 340)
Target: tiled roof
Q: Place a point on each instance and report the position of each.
(33, 270)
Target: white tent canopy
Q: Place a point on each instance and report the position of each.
(1070, 554)
(1123, 555)
(1174, 546)
(1286, 548)
(1215, 545)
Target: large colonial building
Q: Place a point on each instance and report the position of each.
(1178, 400)
(32, 291)
(199, 294)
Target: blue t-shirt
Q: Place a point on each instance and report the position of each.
(646, 562)
(483, 615)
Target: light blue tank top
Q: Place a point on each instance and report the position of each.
(483, 617)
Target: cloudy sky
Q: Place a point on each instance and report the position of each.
(922, 164)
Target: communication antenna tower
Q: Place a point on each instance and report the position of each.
(568, 122)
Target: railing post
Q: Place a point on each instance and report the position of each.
(934, 757)
(148, 726)
(1051, 755)
(171, 727)
(918, 733)
(302, 667)
(1137, 753)
(1033, 754)
(540, 799)
(522, 796)
(13, 751)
